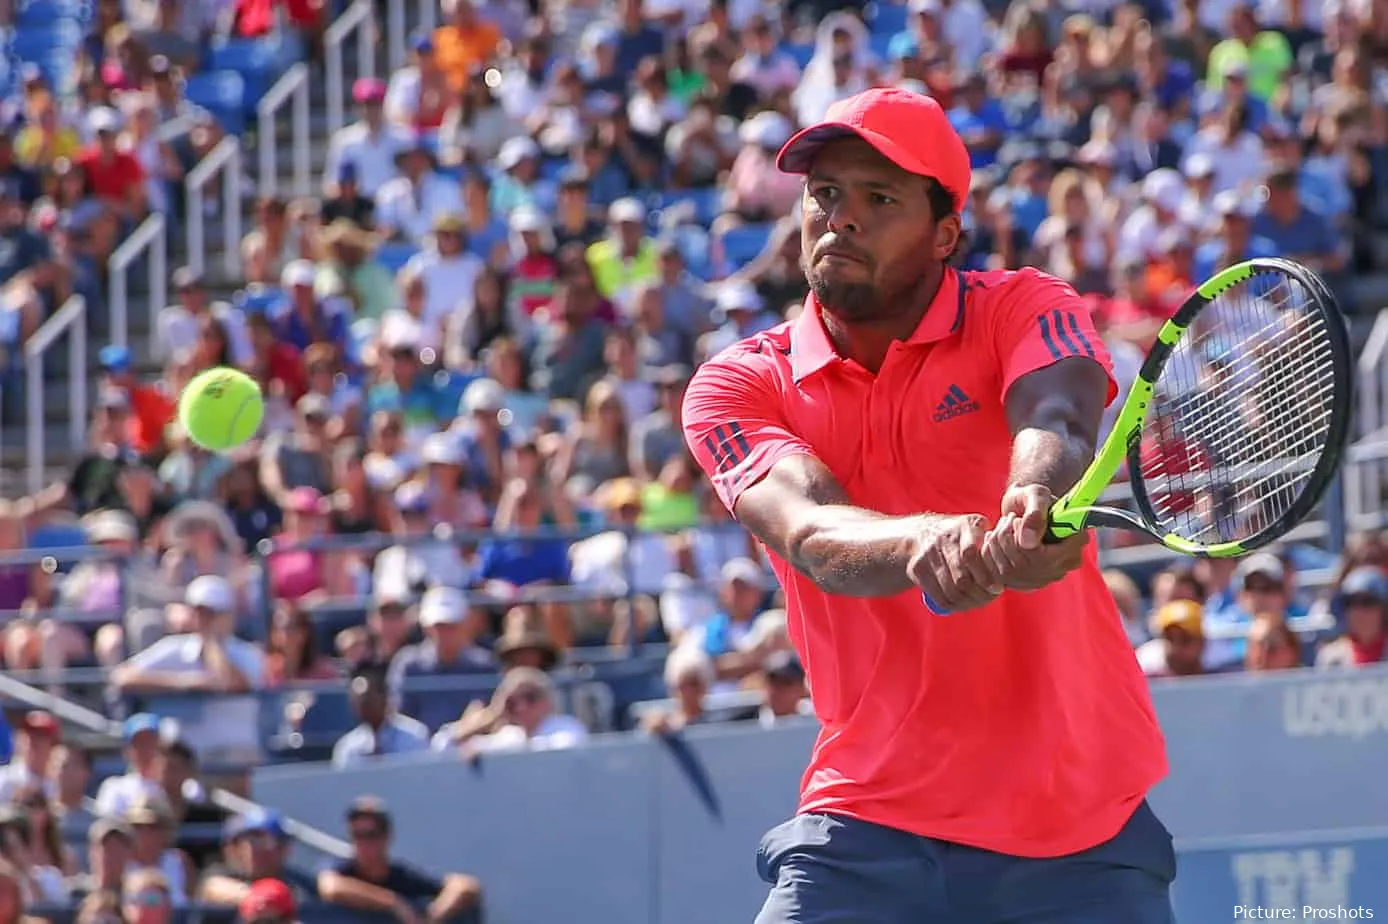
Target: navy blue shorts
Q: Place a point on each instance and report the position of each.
(826, 869)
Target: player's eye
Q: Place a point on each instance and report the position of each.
(824, 192)
(882, 199)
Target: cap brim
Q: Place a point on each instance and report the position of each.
(797, 156)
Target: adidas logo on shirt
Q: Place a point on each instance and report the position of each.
(955, 404)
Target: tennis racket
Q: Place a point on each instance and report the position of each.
(1236, 423)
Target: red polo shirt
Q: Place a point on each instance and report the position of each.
(111, 179)
(1023, 727)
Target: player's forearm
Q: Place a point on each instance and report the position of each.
(1055, 456)
(854, 552)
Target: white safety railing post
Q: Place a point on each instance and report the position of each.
(70, 319)
(292, 87)
(147, 239)
(428, 15)
(395, 34)
(223, 160)
(355, 19)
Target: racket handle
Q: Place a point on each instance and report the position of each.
(933, 606)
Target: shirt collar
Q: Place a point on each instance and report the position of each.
(810, 349)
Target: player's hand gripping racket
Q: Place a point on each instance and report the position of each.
(1235, 425)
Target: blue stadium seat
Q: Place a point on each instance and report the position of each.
(801, 53)
(393, 255)
(32, 44)
(256, 61)
(888, 18)
(38, 13)
(742, 245)
(706, 203)
(880, 43)
(57, 536)
(222, 93)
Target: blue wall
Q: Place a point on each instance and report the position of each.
(1276, 798)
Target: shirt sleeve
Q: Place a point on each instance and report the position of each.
(735, 425)
(1040, 320)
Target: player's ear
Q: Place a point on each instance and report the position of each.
(948, 231)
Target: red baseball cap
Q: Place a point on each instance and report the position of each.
(41, 723)
(268, 898)
(909, 129)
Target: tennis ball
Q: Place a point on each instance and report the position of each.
(221, 408)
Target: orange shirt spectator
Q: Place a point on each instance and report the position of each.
(464, 44)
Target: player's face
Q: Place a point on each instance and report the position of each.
(868, 238)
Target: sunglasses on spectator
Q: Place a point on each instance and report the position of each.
(149, 899)
(368, 834)
(1362, 600)
(1262, 587)
(524, 698)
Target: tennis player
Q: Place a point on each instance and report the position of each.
(905, 436)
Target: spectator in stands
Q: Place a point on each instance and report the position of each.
(390, 622)
(268, 901)
(1263, 582)
(786, 695)
(151, 822)
(725, 636)
(347, 202)
(689, 676)
(371, 881)
(451, 629)
(525, 642)
(383, 731)
(142, 778)
(189, 804)
(1272, 646)
(151, 409)
(49, 861)
(523, 560)
(109, 853)
(255, 848)
(292, 655)
(178, 332)
(369, 145)
(298, 569)
(272, 244)
(408, 206)
(1297, 232)
(149, 897)
(1180, 648)
(1362, 598)
(522, 715)
(115, 176)
(38, 734)
(206, 657)
(69, 775)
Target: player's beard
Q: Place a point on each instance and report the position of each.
(851, 301)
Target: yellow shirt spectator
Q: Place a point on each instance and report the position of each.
(1266, 60)
(36, 146)
(625, 258)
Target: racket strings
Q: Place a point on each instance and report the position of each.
(1242, 413)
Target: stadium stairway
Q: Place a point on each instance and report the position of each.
(59, 453)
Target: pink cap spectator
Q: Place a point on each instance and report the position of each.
(306, 500)
(368, 90)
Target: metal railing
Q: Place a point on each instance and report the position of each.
(358, 19)
(70, 319)
(148, 240)
(293, 86)
(224, 162)
(398, 30)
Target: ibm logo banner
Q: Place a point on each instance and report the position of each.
(1300, 880)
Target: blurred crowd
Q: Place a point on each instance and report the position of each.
(151, 842)
(474, 343)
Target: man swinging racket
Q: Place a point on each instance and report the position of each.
(903, 439)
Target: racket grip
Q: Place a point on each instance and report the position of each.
(933, 606)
